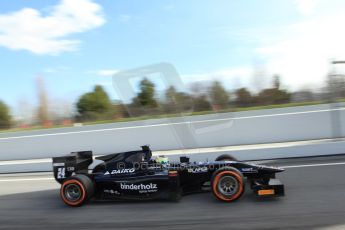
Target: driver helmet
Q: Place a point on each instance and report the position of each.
(162, 159)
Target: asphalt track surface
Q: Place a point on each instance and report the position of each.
(315, 199)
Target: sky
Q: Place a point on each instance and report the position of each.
(75, 44)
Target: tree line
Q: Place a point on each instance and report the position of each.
(5, 117)
(212, 96)
(97, 105)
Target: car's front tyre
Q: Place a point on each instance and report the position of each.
(227, 184)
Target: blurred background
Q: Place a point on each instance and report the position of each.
(59, 57)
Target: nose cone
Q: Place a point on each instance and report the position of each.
(272, 169)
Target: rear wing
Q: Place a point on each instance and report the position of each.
(76, 162)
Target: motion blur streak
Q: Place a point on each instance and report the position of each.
(25, 179)
(315, 165)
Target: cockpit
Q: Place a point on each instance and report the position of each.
(143, 155)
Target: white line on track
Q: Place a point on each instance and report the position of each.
(284, 167)
(173, 123)
(312, 165)
(23, 162)
(26, 179)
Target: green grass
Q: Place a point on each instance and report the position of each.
(282, 105)
(176, 115)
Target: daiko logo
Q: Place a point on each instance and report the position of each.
(120, 171)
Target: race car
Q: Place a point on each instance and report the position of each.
(136, 175)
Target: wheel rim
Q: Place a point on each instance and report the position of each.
(228, 185)
(72, 192)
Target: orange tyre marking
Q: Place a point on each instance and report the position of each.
(216, 180)
(62, 192)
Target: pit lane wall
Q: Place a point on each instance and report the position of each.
(227, 129)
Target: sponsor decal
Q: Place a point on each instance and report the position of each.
(250, 170)
(198, 170)
(70, 169)
(110, 191)
(142, 188)
(265, 192)
(120, 171)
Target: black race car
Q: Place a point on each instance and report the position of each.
(137, 175)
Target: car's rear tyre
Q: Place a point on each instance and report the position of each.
(227, 184)
(77, 190)
(225, 157)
